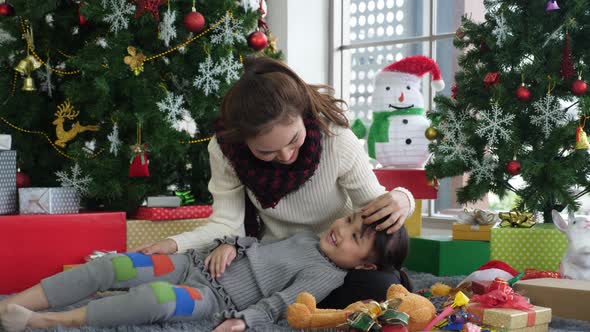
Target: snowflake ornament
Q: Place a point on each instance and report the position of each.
(5, 37)
(229, 67)
(74, 179)
(172, 108)
(548, 114)
(115, 142)
(46, 82)
(102, 42)
(484, 170)
(502, 30)
(495, 125)
(228, 32)
(453, 125)
(167, 28)
(456, 148)
(206, 80)
(49, 20)
(253, 5)
(119, 12)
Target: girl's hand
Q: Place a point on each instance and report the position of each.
(395, 204)
(231, 325)
(166, 247)
(219, 259)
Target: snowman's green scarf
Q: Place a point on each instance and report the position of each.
(379, 131)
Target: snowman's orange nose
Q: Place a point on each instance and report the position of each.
(401, 98)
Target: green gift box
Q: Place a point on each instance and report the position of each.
(441, 256)
(540, 247)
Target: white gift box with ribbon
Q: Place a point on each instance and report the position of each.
(58, 200)
(5, 142)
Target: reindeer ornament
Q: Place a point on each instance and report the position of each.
(66, 111)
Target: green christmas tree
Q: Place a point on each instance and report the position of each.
(89, 88)
(519, 105)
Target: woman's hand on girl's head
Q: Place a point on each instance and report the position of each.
(395, 204)
(219, 259)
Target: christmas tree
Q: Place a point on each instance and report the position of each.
(519, 106)
(117, 97)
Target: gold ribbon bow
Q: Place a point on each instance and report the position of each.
(477, 217)
(375, 315)
(134, 60)
(517, 219)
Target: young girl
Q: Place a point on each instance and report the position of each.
(284, 147)
(240, 284)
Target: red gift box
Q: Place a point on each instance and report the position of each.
(38, 246)
(166, 213)
(414, 180)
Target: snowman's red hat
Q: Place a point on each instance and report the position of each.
(418, 65)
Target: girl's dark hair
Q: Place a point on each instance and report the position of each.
(391, 250)
(269, 92)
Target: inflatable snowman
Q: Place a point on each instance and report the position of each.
(396, 136)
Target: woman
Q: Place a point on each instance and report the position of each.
(285, 147)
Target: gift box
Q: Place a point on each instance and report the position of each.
(182, 212)
(163, 201)
(5, 142)
(37, 246)
(59, 200)
(8, 193)
(417, 183)
(567, 298)
(145, 231)
(535, 319)
(471, 232)
(540, 247)
(442, 256)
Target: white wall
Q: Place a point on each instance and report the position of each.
(302, 28)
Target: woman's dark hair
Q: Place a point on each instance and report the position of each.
(268, 93)
(391, 250)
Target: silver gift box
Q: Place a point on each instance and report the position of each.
(163, 201)
(8, 194)
(59, 200)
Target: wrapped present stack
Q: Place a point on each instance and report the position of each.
(164, 216)
(8, 194)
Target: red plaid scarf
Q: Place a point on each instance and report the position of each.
(271, 181)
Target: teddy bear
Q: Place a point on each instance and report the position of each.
(303, 314)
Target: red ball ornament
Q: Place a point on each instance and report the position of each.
(6, 9)
(22, 180)
(257, 40)
(194, 21)
(513, 167)
(579, 87)
(523, 93)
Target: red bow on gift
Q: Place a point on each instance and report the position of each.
(501, 295)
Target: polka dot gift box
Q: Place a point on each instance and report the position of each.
(167, 213)
(8, 195)
(60, 200)
(540, 247)
(145, 231)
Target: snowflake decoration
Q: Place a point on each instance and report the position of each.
(229, 67)
(102, 42)
(46, 83)
(115, 142)
(456, 148)
(75, 31)
(253, 5)
(228, 32)
(5, 37)
(501, 31)
(207, 80)
(49, 20)
(495, 125)
(74, 179)
(120, 9)
(172, 108)
(484, 170)
(167, 28)
(549, 114)
(453, 125)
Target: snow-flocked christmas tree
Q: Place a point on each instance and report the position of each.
(519, 105)
(100, 92)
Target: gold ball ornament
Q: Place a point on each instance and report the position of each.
(431, 133)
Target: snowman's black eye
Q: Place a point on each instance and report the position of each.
(387, 88)
(408, 87)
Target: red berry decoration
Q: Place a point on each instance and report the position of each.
(22, 180)
(194, 21)
(513, 167)
(579, 87)
(6, 9)
(82, 21)
(523, 93)
(257, 40)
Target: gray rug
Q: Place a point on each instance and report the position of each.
(420, 280)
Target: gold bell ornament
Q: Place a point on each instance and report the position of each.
(29, 64)
(581, 139)
(29, 84)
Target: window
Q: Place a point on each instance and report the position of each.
(370, 34)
